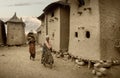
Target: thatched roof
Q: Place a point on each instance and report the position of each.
(15, 19)
(41, 16)
(1, 22)
(55, 5)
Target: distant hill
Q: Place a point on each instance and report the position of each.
(32, 23)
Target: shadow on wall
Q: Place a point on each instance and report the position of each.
(3, 33)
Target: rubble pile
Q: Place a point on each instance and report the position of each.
(100, 68)
(66, 56)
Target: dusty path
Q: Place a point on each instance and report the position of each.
(15, 63)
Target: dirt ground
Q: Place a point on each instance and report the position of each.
(15, 63)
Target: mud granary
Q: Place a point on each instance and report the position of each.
(15, 31)
(2, 33)
(89, 29)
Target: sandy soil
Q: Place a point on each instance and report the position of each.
(15, 63)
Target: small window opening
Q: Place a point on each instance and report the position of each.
(53, 35)
(87, 34)
(52, 14)
(81, 3)
(76, 34)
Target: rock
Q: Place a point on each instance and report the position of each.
(101, 61)
(116, 62)
(81, 63)
(94, 72)
(58, 55)
(99, 74)
(61, 54)
(107, 65)
(66, 56)
(65, 59)
(76, 60)
(103, 70)
(97, 65)
(65, 53)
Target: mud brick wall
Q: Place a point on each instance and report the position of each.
(109, 28)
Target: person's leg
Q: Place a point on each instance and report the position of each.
(33, 56)
(30, 56)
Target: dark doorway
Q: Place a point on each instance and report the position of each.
(64, 27)
(3, 33)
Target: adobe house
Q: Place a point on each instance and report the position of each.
(41, 31)
(57, 24)
(15, 31)
(2, 33)
(95, 29)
